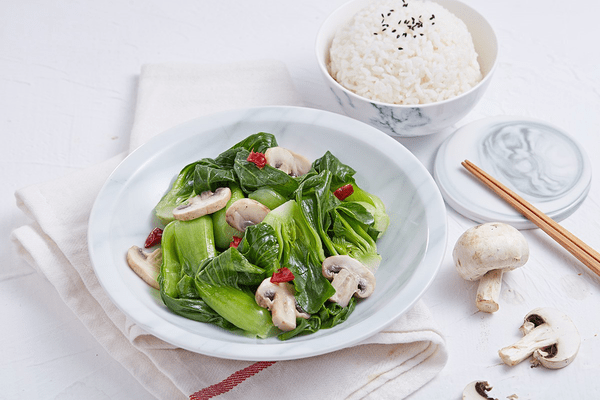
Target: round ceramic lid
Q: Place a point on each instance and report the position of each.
(538, 161)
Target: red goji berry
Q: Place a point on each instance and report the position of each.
(282, 275)
(257, 158)
(235, 242)
(344, 191)
(154, 238)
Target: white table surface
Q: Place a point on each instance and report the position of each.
(68, 72)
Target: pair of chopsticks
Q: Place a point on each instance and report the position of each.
(583, 252)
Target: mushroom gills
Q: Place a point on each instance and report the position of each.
(244, 213)
(205, 203)
(477, 390)
(145, 265)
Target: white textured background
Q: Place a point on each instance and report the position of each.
(68, 75)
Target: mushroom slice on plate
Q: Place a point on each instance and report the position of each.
(145, 265)
(549, 335)
(477, 390)
(279, 299)
(349, 277)
(302, 164)
(280, 158)
(484, 252)
(244, 213)
(287, 161)
(205, 203)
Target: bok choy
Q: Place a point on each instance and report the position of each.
(210, 271)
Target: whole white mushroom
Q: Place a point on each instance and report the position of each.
(484, 252)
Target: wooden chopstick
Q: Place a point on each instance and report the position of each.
(583, 252)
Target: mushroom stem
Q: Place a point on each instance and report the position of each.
(284, 313)
(488, 291)
(345, 284)
(539, 337)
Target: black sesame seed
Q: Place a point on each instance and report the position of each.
(399, 48)
(397, 36)
(432, 17)
(393, 31)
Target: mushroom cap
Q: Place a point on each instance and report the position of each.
(205, 203)
(145, 265)
(568, 340)
(280, 158)
(489, 246)
(244, 213)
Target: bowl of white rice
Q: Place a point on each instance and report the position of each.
(407, 67)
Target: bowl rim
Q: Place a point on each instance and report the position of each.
(319, 44)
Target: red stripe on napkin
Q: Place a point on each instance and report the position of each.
(231, 381)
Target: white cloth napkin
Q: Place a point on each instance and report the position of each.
(391, 364)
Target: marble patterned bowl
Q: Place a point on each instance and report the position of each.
(412, 248)
(411, 120)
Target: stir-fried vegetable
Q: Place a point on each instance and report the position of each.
(210, 271)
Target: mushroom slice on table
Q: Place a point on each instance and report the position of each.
(244, 213)
(477, 390)
(145, 265)
(279, 299)
(205, 203)
(287, 161)
(549, 335)
(484, 252)
(349, 278)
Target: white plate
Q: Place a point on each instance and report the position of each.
(412, 248)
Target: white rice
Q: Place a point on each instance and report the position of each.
(386, 56)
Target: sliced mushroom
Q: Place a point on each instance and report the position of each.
(279, 299)
(145, 265)
(477, 390)
(349, 278)
(244, 213)
(549, 335)
(302, 166)
(205, 203)
(280, 158)
(484, 252)
(287, 161)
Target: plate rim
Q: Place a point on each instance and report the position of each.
(283, 350)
